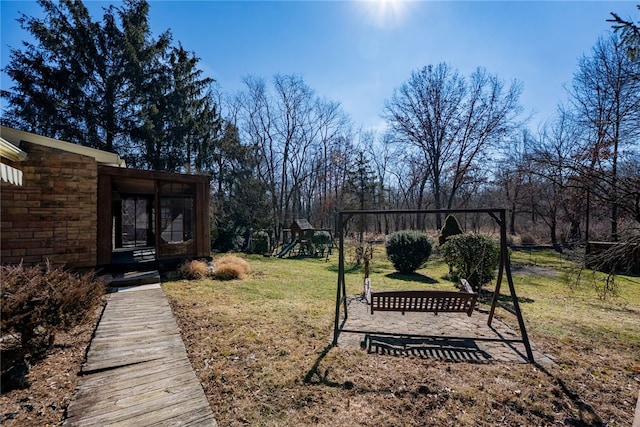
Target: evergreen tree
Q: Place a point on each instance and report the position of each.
(240, 201)
(110, 85)
(78, 80)
(48, 90)
(450, 228)
(179, 119)
(361, 184)
(629, 33)
(361, 189)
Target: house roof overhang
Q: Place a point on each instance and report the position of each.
(10, 151)
(16, 137)
(135, 178)
(13, 154)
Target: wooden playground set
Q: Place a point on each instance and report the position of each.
(298, 241)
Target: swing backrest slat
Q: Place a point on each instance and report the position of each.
(426, 301)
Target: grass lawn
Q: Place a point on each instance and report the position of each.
(260, 347)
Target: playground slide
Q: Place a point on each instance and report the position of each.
(287, 248)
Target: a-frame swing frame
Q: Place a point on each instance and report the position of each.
(504, 268)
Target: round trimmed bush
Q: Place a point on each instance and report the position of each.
(473, 257)
(321, 237)
(408, 250)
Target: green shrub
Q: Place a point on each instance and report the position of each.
(214, 235)
(39, 301)
(450, 228)
(321, 240)
(408, 250)
(473, 257)
(226, 236)
(260, 242)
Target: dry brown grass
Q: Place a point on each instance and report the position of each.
(194, 270)
(231, 267)
(261, 352)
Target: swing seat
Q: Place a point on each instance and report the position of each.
(426, 301)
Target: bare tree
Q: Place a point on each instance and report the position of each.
(552, 162)
(605, 95)
(331, 145)
(288, 126)
(451, 123)
(512, 175)
(380, 151)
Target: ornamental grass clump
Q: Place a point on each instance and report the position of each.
(231, 267)
(408, 250)
(473, 257)
(194, 270)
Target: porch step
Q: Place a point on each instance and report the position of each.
(132, 278)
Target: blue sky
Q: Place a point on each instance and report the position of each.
(358, 52)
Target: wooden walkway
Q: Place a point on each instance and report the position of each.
(137, 372)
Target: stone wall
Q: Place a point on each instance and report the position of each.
(53, 216)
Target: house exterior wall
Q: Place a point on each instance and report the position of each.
(53, 216)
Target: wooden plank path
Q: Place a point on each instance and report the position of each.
(137, 372)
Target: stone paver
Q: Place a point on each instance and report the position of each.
(446, 336)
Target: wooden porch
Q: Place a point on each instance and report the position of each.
(153, 218)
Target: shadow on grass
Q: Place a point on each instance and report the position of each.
(587, 415)
(624, 309)
(314, 376)
(459, 352)
(487, 298)
(348, 268)
(414, 277)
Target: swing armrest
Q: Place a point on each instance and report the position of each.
(466, 286)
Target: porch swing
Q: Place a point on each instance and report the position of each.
(433, 301)
(423, 301)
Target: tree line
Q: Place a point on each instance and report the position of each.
(276, 150)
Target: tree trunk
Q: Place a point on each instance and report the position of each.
(512, 220)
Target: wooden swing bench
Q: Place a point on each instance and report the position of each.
(426, 301)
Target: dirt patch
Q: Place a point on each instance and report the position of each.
(52, 381)
(534, 270)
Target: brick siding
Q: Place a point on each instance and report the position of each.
(53, 216)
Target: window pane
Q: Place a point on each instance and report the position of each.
(176, 212)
